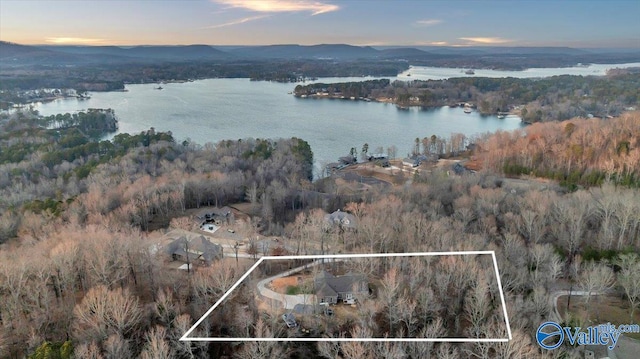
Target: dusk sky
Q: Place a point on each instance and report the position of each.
(250, 22)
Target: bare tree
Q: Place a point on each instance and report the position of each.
(184, 223)
(532, 225)
(186, 349)
(435, 329)
(116, 347)
(358, 349)
(106, 265)
(330, 350)
(606, 205)
(572, 216)
(595, 279)
(407, 313)
(629, 280)
(628, 215)
(103, 312)
(261, 350)
(447, 351)
(214, 280)
(390, 350)
(87, 351)
(165, 307)
(545, 265)
(157, 346)
(390, 286)
(519, 347)
(540, 302)
(477, 308)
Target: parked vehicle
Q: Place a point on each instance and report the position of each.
(289, 320)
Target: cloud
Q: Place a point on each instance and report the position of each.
(315, 7)
(74, 40)
(428, 22)
(236, 22)
(431, 43)
(486, 40)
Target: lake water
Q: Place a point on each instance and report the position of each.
(217, 109)
(437, 73)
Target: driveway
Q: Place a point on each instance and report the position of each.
(290, 301)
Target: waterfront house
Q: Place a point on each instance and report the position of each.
(380, 159)
(348, 160)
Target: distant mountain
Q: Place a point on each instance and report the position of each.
(410, 53)
(189, 52)
(22, 54)
(324, 51)
(476, 56)
(403, 52)
(163, 53)
(85, 50)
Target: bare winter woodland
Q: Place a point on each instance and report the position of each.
(80, 274)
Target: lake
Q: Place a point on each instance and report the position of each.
(217, 109)
(439, 73)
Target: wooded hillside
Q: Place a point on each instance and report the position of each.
(577, 152)
(80, 274)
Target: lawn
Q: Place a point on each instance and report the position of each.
(602, 309)
(293, 290)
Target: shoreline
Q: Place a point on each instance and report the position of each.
(389, 100)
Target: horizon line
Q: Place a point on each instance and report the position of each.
(325, 43)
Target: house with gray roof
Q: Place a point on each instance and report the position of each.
(218, 216)
(332, 289)
(340, 219)
(193, 250)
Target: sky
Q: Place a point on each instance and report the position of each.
(573, 23)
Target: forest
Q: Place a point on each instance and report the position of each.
(113, 77)
(79, 218)
(581, 152)
(553, 98)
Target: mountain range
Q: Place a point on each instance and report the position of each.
(16, 54)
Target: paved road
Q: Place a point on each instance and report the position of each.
(557, 294)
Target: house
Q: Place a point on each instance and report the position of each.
(218, 216)
(348, 160)
(333, 167)
(332, 289)
(459, 169)
(198, 249)
(342, 220)
(380, 159)
(417, 160)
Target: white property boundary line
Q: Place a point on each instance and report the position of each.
(372, 255)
